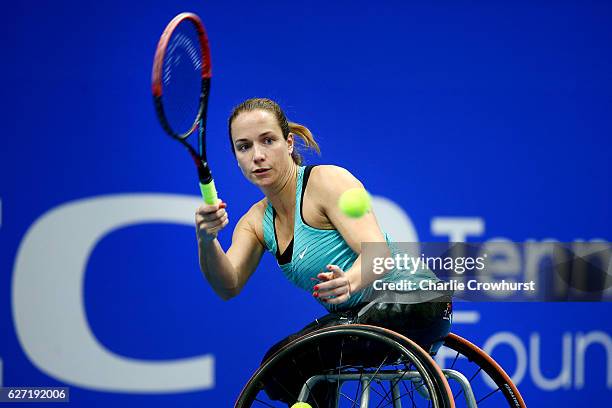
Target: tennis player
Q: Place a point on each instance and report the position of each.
(315, 244)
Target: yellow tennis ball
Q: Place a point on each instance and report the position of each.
(354, 202)
(301, 405)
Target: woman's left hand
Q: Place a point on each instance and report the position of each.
(334, 283)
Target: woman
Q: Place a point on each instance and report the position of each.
(298, 220)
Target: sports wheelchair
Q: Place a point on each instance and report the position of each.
(370, 366)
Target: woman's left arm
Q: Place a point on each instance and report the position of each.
(329, 183)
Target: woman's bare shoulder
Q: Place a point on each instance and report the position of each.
(253, 218)
(327, 177)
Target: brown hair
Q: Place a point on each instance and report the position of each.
(286, 127)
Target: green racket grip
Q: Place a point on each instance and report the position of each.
(209, 192)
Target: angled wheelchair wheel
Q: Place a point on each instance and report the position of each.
(348, 366)
(489, 384)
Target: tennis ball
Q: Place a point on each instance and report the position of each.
(301, 405)
(354, 202)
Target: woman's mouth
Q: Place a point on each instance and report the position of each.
(261, 172)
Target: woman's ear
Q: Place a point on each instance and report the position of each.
(290, 143)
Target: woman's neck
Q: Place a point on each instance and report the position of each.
(282, 194)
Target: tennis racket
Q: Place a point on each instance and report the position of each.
(181, 85)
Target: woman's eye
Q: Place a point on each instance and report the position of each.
(268, 140)
(242, 147)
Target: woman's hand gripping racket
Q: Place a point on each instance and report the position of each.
(181, 85)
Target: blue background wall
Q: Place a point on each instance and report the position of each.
(498, 111)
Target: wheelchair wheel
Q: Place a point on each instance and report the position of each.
(490, 384)
(372, 363)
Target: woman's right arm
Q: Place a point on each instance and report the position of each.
(228, 272)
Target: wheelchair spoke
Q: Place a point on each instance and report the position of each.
(354, 401)
(393, 384)
(458, 394)
(264, 403)
(409, 393)
(322, 364)
(476, 373)
(385, 398)
(488, 395)
(339, 366)
(357, 390)
(470, 381)
(287, 392)
(297, 367)
(454, 361)
(390, 402)
(400, 398)
(376, 372)
(380, 393)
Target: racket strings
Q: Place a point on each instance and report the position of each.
(182, 79)
(179, 46)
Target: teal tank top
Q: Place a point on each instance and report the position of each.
(312, 249)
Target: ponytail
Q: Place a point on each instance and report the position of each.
(307, 139)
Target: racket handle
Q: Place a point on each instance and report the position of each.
(209, 192)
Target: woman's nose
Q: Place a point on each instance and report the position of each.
(258, 154)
